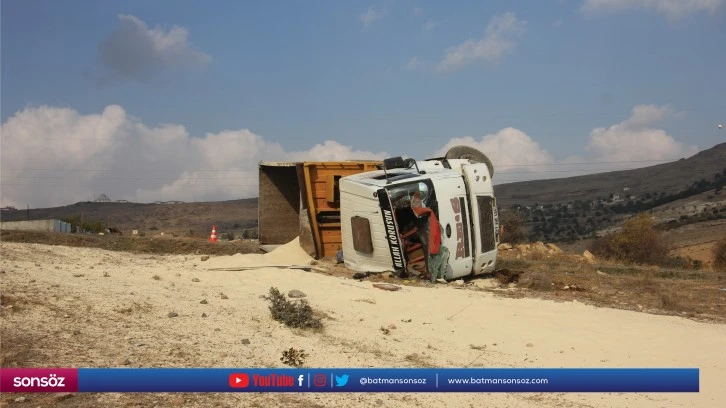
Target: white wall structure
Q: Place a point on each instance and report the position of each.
(37, 225)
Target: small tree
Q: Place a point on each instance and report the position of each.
(511, 222)
(638, 242)
(719, 255)
(245, 234)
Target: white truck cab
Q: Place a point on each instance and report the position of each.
(436, 217)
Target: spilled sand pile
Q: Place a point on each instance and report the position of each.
(284, 255)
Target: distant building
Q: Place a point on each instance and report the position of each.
(122, 201)
(8, 208)
(103, 198)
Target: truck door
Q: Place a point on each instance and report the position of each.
(455, 225)
(485, 220)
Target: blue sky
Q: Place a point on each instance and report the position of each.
(528, 82)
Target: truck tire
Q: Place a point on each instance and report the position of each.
(471, 154)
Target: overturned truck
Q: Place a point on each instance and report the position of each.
(437, 218)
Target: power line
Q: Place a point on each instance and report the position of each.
(625, 194)
(174, 178)
(255, 169)
(585, 163)
(653, 194)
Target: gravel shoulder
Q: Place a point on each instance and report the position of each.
(88, 307)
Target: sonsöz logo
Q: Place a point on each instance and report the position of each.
(38, 380)
(51, 381)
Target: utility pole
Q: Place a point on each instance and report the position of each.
(28, 213)
(82, 231)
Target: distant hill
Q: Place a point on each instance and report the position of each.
(568, 209)
(187, 219)
(666, 178)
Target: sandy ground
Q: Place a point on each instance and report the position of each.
(699, 252)
(698, 240)
(82, 307)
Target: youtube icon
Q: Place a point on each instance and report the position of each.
(239, 380)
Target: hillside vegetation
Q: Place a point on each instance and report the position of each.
(667, 178)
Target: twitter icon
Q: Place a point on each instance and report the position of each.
(341, 380)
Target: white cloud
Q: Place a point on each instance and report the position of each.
(430, 25)
(672, 9)
(636, 138)
(557, 23)
(55, 156)
(501, 33)
(370, 16)
(133, 51)
(510, 150)
(417, 11)
(413, 64)
(632, 143)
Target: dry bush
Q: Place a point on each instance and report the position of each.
(511, 223)
(537, 255)
(668, 302)
(419, 360)
(537, 281)
(135, 307)
(294, 357)
(638, 242)
(505, 276)
(680, 262)
(647, 282)
(719, 255)
(295, 314)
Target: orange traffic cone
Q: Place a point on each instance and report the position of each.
(213, 237)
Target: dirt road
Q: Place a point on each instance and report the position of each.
(82, 307)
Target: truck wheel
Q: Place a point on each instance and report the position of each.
(471, 154)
